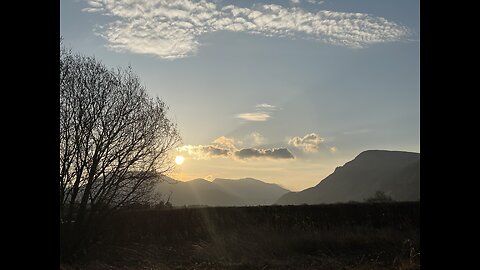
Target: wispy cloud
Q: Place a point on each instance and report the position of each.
(224, 147)
(309, 143)
(265, 106)
(255, 138)
(296, 2)
(170, 29)
(94, 6)
(262, 113)
(251, 140)
(255, 116)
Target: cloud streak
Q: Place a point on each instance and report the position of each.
(170, 29)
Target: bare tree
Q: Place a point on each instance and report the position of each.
(114, 138)
(379, 197)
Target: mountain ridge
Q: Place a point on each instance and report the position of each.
(394, 172)
(397, 173)
(221, 192)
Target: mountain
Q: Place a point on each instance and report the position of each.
(394, 172)
(220, 192)
(253, 191)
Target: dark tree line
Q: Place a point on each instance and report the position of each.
(114, 140)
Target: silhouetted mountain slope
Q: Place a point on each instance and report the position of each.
(394, 172)
(253, 191)
(221, 192)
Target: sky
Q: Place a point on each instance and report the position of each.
(280, 91)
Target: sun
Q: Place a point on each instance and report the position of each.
(179, 160)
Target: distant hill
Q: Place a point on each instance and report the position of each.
(394, 172)
(221, 192)
(253, 191)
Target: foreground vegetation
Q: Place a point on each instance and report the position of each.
(336, 236)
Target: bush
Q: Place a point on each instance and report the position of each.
(379, 196)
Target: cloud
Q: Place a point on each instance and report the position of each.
(309, 143)
(265, 106)
(220, 147)
(171, 29)
(255, 138)
(275, 153)
(94, 6)
(204, 151)
(263, 113)
(333, 149)
(296, 2)
(255, 116)
(224, 141)
(224, 147)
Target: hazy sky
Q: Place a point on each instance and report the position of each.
(281, 91)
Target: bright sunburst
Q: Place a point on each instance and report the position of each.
(179, 160)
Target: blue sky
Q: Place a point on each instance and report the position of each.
(301, 87)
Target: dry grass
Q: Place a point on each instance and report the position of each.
(228, 239)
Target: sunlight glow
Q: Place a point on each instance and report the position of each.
(179, 160)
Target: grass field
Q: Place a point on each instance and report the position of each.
(336, 236)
